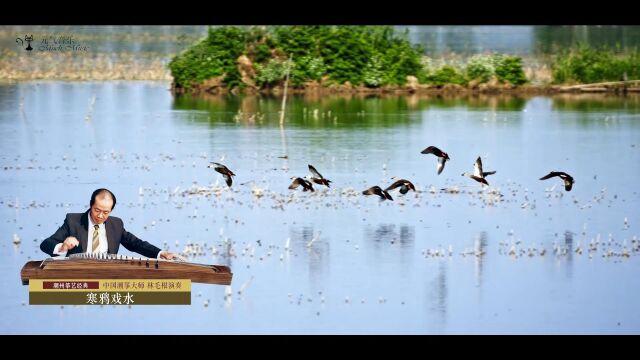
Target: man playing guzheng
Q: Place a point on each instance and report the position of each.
(95, 232)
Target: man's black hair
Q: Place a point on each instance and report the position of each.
(97, 192)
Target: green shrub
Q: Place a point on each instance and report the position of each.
(400, 60)
(446, 74)
(509, 68)
(585, 64)
(211, 57)
(426, 70)
(373, 74)
(344, 53)
(481, 68)
(262, 53)
(307, 68)
(274, 72)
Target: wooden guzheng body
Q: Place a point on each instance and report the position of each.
(83, 266)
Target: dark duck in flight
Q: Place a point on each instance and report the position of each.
(224, 171)
(404, 185)
(377, 190)
(318, 178)
(298, 181)
(478, 174)
(442, 156)
(568, 179)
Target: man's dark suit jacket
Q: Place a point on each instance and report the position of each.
(78, 225)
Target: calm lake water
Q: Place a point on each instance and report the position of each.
(521, 256)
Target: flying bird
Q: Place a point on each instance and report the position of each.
(318, 178)
(298, 181)
(442, 156)
(377, 190)
(477, 169)
(404, 185)
(478, 175)
(568, 179)
(226, 173)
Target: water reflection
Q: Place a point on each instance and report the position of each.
(437, 293)
(568, 245)
(391, 244)
(302, 111)
(478, 101)
(314, 251)
(385, 234)
(332, 111)
(597, 102)
(310, 111)
(480, 250)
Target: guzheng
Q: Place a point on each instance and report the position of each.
(84, 266)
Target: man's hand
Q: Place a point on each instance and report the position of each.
(69, 243)
(171, 256)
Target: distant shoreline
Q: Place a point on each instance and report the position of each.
(450, 89)
(422, 89)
